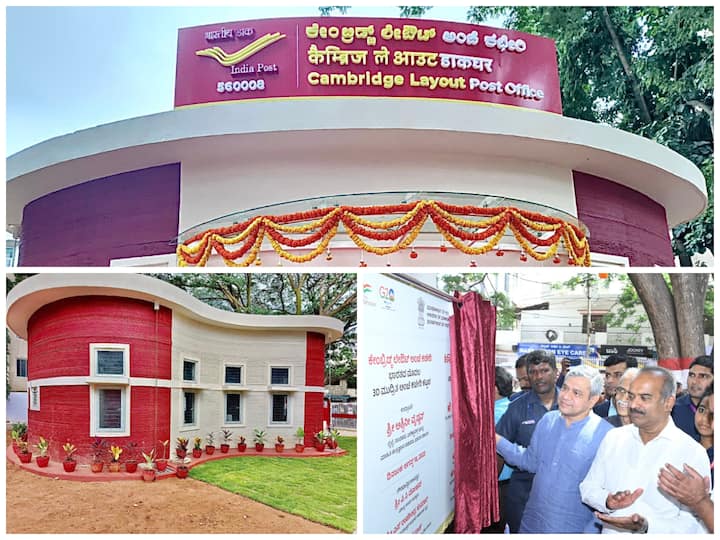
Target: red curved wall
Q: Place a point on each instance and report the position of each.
(132, 214)
(622, 221)
(314, 376)
(59, 337)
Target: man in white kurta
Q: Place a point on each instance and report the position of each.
(622, 483)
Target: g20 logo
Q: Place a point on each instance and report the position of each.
(386, 293)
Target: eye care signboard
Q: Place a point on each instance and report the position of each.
(407, 436)
(347, 56)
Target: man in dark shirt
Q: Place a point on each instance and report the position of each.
(518, 423)
(521, 375)
(615, 366)
(700, 376)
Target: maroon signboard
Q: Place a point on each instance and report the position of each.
(339, 56)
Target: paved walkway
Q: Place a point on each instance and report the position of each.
(83, 473)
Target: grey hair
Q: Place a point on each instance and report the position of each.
(631, 373)
(591, 374)
(668, 387)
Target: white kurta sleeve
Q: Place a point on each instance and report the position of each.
(592, 488)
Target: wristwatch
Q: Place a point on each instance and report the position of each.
(644, 528)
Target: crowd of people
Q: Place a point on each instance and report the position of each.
(585, 452)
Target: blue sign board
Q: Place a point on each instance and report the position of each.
(573, 351)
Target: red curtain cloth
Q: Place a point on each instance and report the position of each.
(473, 398)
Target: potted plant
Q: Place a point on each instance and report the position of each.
(131, 462)
(300, 436)
(69, 462)
(43, 459)
(24, 455)
(114, 465)
(161, 462)
(98, 449)
(210, 446)
(242, 445)
(181, 471)
(148, 472)
(259, 437)
(18, 433)
(181, 447)
(331, 439)
(197, 448)
(320, 441)
(227, 437)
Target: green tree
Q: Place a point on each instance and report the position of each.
(646, 70)
(506, 312)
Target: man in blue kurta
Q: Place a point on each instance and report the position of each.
(560, 453)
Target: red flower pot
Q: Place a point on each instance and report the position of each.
(224, 448)
(242, 447)
(25, 458)
(16, 448)
(97, 466)
(131, 466)
(279, 448)
(148, 475)
(299, 448)
(69, 466)
(42, 461)
(209, 450)
(114, 466)
(161, 464)
(181, 471)
(259, 447)
(320, 447)
(197, 452)
(332, 445)
(181, 454)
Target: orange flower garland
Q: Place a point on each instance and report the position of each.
(455, 223)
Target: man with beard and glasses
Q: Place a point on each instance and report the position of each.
(700, 376)
(622, 483)
(518, 423)
(615, 366)
(561, 450)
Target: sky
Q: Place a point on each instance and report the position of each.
(71, 68)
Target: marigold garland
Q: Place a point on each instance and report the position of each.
(454, 222)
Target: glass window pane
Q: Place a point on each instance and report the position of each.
(279, 408)
(188, 371)
(279, 375)
(110, 362)
(189, 410)
(233, 375)
(110, 408)
(21, 367)
(232, 408)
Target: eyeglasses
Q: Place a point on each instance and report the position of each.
(620, 392)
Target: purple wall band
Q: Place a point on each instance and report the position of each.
(131, 214)
(622, 221)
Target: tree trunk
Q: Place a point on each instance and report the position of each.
(689, 298)
(657, 300)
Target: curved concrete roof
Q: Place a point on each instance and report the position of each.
(33, 293)
(370, 126)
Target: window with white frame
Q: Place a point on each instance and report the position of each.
(110, 410)
(189, 370)
(110, 359)
(21, 367)
(279, 408)
(233, 408)
(233, 374)
(279, 375)
(189, 408)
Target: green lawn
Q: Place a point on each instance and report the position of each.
(323, 490)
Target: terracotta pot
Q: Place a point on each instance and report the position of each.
(279, 448)
(259, 447)
(148, 475)
(209, 450)
(224, 448)
(197, 452)
(25, 458)
(299, 448)
(161, 464)
(69, 466)
(181, 471)
(181, 453)
(114, 466)
(242, 447)
(42, 461)
(97, 466)
(131, 466)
